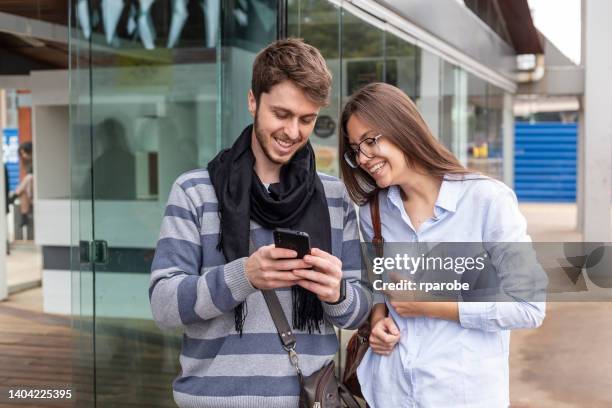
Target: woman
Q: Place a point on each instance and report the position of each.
(429, 354)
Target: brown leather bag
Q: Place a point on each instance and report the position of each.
(321, 389)
(358, 343)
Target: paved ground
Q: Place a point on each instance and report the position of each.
(565, 363)
(551, 222)
(23, 266)
(134, 365)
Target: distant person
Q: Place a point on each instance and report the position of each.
(114, 168)
(25, 189)
(7, 189)
(7, 202)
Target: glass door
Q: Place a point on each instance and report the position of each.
(157, 89)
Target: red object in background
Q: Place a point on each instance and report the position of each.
(25, 129)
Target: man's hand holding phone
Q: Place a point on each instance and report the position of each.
(325, 277)
(270, 267)
(322, 274)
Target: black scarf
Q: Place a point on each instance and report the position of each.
(297, 201)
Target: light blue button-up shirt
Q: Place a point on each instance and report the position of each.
(440, 363)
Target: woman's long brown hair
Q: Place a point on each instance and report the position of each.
(392, 113)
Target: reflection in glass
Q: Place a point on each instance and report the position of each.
(453, 110)
(318, 23)
(145, 25)
(211, 10)
(495, 105)
(363, 52)
(429, 87)
(403, 65)
(111, 12)
(485, 127)
(82, 12)
(179, 16)
(114, 172)
(241, 40)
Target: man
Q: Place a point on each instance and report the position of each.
(216, 250)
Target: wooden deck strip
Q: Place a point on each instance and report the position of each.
(41, 351)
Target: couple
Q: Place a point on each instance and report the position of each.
(216, 252)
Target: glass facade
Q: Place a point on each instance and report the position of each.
(153, 94)
(160, 90)
(485, 124)
(464, 111)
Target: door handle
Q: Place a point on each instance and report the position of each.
(84, 251)
(100, 252)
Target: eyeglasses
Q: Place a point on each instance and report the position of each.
(368, 147)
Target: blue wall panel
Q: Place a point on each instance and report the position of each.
(11, 158)
(545, 161)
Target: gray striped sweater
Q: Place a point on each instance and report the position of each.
(193, 287)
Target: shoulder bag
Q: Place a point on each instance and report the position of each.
(321, 389)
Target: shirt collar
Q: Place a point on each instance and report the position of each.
(393, 196)
(449, 194)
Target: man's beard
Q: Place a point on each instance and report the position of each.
(265, 147)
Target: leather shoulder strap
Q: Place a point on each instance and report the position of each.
(377, 240)
(280, 321)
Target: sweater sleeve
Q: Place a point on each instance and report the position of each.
(355, 308)
(181, 292)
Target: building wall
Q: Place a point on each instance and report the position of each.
(465, 111)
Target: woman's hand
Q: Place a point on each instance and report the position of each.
(405, 304)
(384, 336)
(437, 310)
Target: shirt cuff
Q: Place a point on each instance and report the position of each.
(473, 315)
(237, 281)
(341, 308)
(378, 298)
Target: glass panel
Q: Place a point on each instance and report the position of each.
(81, 217)
(318, 23)
(247, 27)
(149, 101)
(495, 105)
(453, 109)
(483, 132)
(403, 65)
(362, 53)
(429, 98)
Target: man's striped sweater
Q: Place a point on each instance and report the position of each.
(193, 287)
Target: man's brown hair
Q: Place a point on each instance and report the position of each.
(294, 60)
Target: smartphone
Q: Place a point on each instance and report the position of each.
(296, 240)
